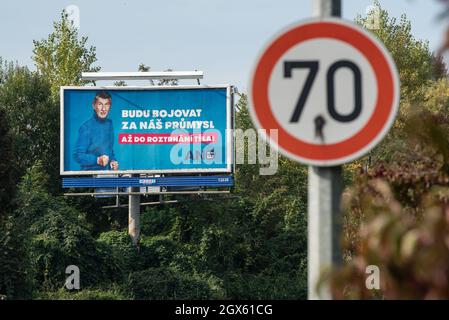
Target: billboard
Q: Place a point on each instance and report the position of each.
(153, 130)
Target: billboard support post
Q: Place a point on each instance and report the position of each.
(134, 215)
(324, 193)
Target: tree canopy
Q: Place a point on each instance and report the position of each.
(64, 55)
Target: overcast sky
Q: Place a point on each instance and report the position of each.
(220, 37)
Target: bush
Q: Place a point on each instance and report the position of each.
(56, 235)
(60, 239)
(15, 269)
(158, 220)
(267, 285)
(166, 284)
(124, 253)
(397, 219)
(114, 293)
(162, 251)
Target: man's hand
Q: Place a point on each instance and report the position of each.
(114, 165)
(103, 160)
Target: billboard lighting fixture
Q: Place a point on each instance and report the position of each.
(150, 75)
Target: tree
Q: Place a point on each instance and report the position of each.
(31, 114)
(16, 267)
(6, 156)
(15, 270)
(418, 69)
(413, 58)
(57, 235)
(62, 57)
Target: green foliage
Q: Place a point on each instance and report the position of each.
(62, 57)
(6, 185)
(157, 251)
(388, 197)
(57, 235)
(396, 212)
(123, 251)
(410, 250)
(165, 252)
(436, 98)
(158, 220)
(249, 182)
(418, 70)
(166, 284)
(396, 209)
(413, 58)
(114, 293)
(15, 272)
(268, 285)
(33, 121)
(60, 239)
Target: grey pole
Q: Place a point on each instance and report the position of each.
(324, 194)
(324, 226)
(134, 216)
(327, 8)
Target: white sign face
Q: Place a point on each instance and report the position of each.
(329, 87)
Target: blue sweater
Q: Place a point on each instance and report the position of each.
(96, 138)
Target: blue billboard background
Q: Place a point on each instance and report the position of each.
(209, 105)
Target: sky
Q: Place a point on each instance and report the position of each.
(220, 37)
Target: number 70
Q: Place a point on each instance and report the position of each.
(313, 67)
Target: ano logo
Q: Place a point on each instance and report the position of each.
(197, 155)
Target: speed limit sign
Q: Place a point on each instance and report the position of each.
(330, 88)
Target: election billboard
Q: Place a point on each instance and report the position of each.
(152, 130)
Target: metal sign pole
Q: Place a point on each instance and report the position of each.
(324, 225)
(324, 193)
(327, 8)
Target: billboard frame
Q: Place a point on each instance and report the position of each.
(230, 154)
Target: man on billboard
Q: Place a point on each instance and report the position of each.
(94, 147)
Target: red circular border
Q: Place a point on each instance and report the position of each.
(384, 78)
